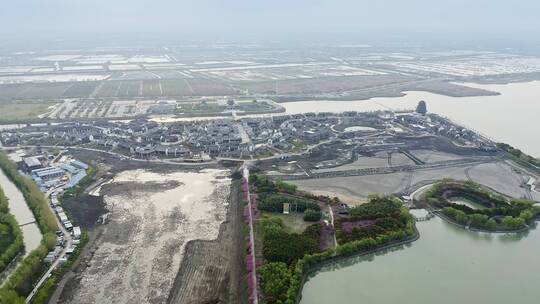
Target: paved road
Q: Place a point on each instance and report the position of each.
(121, 156)
(252, 241)
(388, 170)
(68, 243)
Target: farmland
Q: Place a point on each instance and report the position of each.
(24, 111)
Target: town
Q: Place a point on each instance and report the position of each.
(245, 138)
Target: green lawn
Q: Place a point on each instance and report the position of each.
(294, 221)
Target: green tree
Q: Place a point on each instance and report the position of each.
(275, 281)
(490, 224)
(311, 215)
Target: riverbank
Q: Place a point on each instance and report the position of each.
(30, 269)
(11, 242)
(22, 213)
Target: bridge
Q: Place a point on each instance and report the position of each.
(26, 224)
(415, 159)
(427, 217)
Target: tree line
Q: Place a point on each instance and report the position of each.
(21, 281)
(11, 238)
(500, 214)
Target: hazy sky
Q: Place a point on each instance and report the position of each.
(20, 18)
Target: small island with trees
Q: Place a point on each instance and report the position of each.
(473, 206)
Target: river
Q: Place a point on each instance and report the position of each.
(22, 213)
(447, 265)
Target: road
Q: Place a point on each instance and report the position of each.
(251, 240)
(332, 219)
(119, 155)
(68, 243)
(388, 170)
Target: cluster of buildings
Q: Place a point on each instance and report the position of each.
(75, 232)
(434, 124)
(244, 137)
(50, 171)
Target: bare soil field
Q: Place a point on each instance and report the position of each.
(505, 180)
(377, 161)
(430, 156)
(498, 176)
(153, 216)
(213, 271)
(356, 187)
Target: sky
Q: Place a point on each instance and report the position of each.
(279, 18)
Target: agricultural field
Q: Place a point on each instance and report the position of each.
(152, 88)
(323, 85)
(80, 89)
(24, 111)
(176, 87)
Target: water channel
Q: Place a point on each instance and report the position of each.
(22, 213)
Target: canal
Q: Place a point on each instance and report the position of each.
(22, 213)
(447, 265)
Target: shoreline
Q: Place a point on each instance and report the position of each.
(393, 244)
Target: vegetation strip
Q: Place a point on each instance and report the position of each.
(31, 268)
(521, 158)
(11, 238)
(499, 215)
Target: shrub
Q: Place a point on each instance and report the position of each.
(311, 215)
(275, 281)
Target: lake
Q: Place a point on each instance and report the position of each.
(447, 265)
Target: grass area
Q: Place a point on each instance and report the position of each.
(293, 221)
(23, 111)
(298, 144)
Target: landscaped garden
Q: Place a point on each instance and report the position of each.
(498, 213)
(289, 254)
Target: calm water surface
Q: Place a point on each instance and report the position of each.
(21, 212)
(447, 265)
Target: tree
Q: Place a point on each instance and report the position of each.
(461, 217)
(526, 215)
(421, 108)
(490, 224)
(275, 281)
(478, 220)
(512, 222)
(311, 215)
